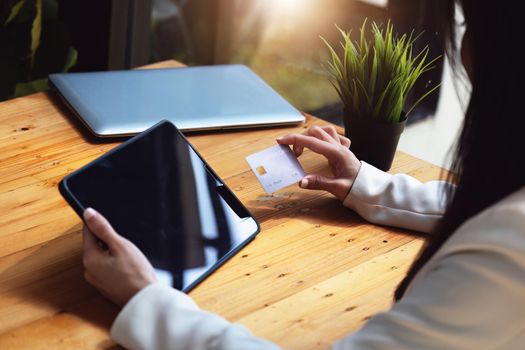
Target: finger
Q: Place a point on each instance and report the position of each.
(92, 252)
(101, 228)
(321, 134)
(285, 140)
(318, 146)
(330, 130)
(319, 182)
(298, 150)
(345, 141)
(90, 245)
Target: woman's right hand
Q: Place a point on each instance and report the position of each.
(326, 141)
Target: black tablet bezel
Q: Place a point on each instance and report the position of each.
(79, 208)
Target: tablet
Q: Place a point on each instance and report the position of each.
(159, 193)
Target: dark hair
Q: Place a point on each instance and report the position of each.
(490, 150)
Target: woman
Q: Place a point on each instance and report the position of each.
(466, 290)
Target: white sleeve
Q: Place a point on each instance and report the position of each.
(159, 317)
(396, 200)
(471, 297)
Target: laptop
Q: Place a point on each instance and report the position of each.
(124, 103)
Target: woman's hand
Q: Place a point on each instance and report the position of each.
(326, 141)
(118, 270)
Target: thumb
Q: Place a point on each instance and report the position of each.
(90, 245)
(101, 228)
(319, 182)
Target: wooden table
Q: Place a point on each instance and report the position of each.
(315, 273)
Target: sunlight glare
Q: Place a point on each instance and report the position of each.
(289, 5)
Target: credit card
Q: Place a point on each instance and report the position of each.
(276, 167)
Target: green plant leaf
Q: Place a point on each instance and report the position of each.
(365, 93)
(36, 30)
(71, 60)
(374, 77)
(15, 10)
(362, 38)
(379, 104)
(23, 89)
(422, 98)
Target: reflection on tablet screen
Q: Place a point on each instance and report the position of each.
(158, 193)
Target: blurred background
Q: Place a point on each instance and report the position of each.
(278, 39)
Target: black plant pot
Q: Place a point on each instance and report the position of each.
(372, 141)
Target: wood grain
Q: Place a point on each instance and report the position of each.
(315, 273)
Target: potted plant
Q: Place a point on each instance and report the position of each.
(373, 78)
(33, 43)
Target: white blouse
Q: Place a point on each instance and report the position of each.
(470, 295)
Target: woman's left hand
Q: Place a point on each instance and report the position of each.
(119, 270)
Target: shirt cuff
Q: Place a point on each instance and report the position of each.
(131, 327)
(367, 177)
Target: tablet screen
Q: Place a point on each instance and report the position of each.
(156, 191)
